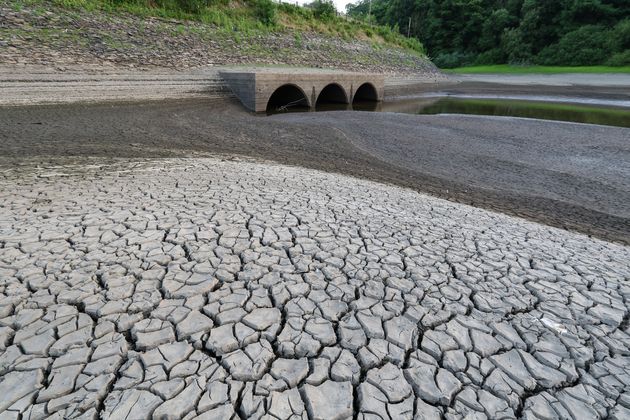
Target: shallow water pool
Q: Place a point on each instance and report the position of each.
(572, 111)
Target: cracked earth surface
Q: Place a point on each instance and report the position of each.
(202, 288)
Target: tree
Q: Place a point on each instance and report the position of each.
(458, 32)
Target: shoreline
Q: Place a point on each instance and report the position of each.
(92, 84)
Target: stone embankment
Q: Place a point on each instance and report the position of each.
(57, 37)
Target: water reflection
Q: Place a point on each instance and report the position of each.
(581, 113)
(331, 106)
(371, 106)
(532, 109)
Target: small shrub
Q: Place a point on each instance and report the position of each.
(620, 37)
(619, 59)
(452, 60)
(413, 44)
(495, 55)
(324, 10)
(265, 11)
(192, 6)
(293, 10)
(585, 46)
(388, 34)
(218, 18)
(70, 4)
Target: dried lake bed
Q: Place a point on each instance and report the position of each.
(206, 288)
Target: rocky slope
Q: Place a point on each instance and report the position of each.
(49, 35)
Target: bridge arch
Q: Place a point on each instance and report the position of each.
(365, 92)
(332, 93)
(286, 97)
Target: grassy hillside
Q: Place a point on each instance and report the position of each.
(199, 33)
(245, 17)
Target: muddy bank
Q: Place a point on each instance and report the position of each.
(593, 80)
(566, 175)
(501, 87)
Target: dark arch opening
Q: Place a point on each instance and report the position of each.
(365, 92)
(332, 94)
(365, 98)
(287, 98)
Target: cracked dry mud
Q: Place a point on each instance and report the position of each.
(212, 289)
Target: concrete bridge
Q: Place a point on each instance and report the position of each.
(270, 89)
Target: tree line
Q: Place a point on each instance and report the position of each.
(480, 32)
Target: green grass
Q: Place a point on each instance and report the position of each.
(508, 69)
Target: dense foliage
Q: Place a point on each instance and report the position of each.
(476, 32)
